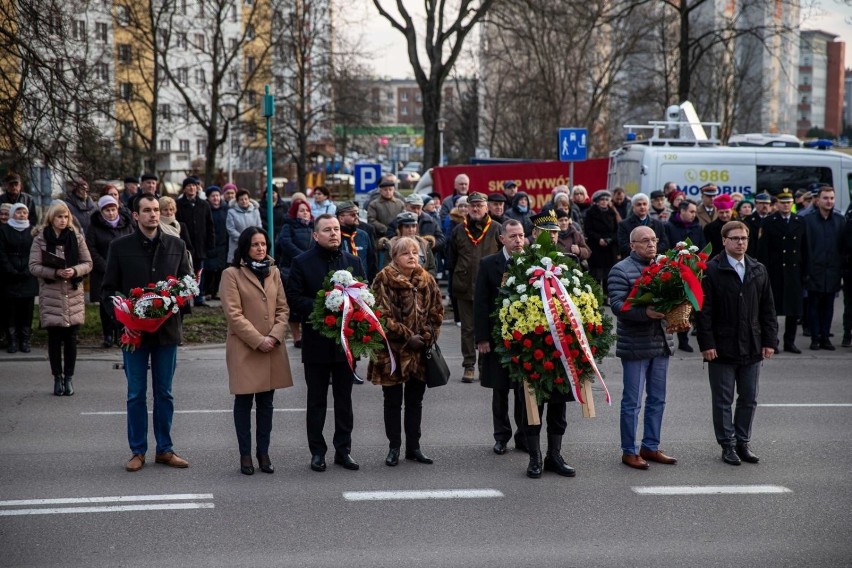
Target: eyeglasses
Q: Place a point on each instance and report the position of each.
(737, 239)
(646, 242)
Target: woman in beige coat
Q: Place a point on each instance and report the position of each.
(256, 310)
(60, 259)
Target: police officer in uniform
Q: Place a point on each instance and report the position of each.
(780, 247)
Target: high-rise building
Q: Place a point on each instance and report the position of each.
(821, 83)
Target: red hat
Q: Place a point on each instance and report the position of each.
(723, 202)
(673, 195)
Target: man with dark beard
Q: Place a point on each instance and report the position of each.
(476, 237)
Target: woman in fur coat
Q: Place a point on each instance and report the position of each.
(410, 300)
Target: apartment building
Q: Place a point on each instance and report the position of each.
(821, 82)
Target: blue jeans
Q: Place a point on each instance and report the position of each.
(163, 361)
(647, 375)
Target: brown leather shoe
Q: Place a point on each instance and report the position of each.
(634, 461)
(657, 456)
(171, 459)
(469, 375)
(135, 463)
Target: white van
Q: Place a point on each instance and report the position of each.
(749, 170)
(679, 150)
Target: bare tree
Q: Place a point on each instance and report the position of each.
(442, 40)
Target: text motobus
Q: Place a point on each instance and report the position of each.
(537, 179)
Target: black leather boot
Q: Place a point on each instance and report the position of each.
(534, 468)
(13, 340)
(553, 459)
(69, 386)
(58, 385)
(26, 333)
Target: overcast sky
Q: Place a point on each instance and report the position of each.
(390, 59)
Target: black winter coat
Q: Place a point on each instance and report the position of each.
(426, 226)
(677, 231)
(217, 256)
(823, 255)
(639, 337)
(307, 274)
(601, 224)
(279, 217)
(134, 261)
(627, 226)
(781, 249)
(198, 218)
(294, 239)
(488, 280)
(713, 234)
(15, 274)
(98, 238)
(737, 318)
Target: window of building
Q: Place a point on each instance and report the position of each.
(184, 146)
(183, 40)
(101, 31)
(201, 147)
(125, 53)
(279, 83)
(165, 145)
(127, 129)
(102, 71)
(251, 64)
(163, 37)
(233, 44)
(249, 31)
(199, 42)
(54, 24)
(403, 96)
(200, 77)
(184, 112)
(233, 79)
(251, 130)
(78, 29)
(251, 98)
(234, 13)
(165, 112)
(126, 91)
(162, 77)
(183, 7)
(122, 15)
(419, 97)
(403, 111)
(183, 76)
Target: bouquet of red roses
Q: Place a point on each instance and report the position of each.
(671, 285)
(343, 311)
(148, 308)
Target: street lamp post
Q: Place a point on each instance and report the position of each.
(229, 112)
(442, 123)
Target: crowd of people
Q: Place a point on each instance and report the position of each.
(784, 255)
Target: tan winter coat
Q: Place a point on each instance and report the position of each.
(382, 211)
(253, 312)
(60, 304)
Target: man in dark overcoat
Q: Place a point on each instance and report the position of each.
(492, 374)
(781, 248)
(323, 357)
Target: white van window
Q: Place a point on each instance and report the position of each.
(776, 177)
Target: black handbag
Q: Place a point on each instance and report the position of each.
(437, 371)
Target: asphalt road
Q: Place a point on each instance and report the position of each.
(71, 449)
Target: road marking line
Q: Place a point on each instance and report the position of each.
(106, 509)
(116, 499)
(807, 405)
(202, 411)
(710, 489)
(421, 494)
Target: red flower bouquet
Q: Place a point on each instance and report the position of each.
(146, 309)
(671, 285)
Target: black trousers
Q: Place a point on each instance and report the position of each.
(20, 312)
(791, 325)
(847, 303)
(724, 380)
(500, 414)
(557, 421)
(316, 377)
(412, 393)
(62, 340)
(108, 326)
(210, 280)
(820, 313)
(242, 421)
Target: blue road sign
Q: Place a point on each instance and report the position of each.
(367, 177)
(572, 144)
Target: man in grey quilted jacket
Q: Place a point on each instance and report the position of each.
(644, 348)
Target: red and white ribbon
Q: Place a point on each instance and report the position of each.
(552, 291)
(352, 293)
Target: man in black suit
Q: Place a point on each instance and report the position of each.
(492, 374)
(323, 357)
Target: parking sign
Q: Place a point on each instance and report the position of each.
(367, 177)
